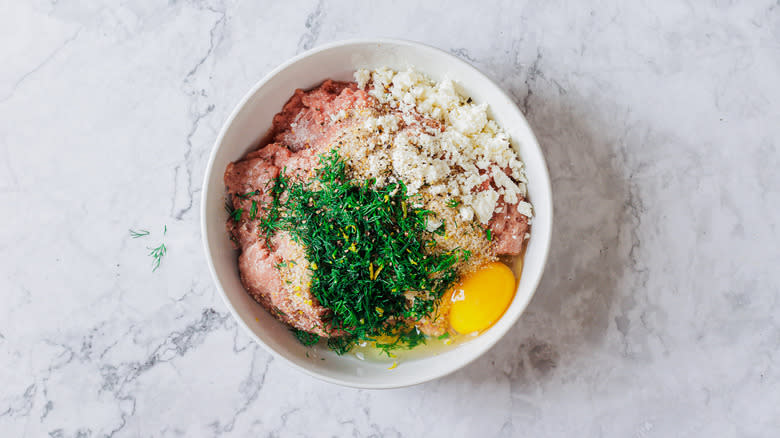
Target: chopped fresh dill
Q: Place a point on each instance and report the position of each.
(140, 233)
(236, 214)
(341, 345)
(248, 194)
(407, 337)
(489, 234)
(352, 232)
(444, 336)
(253, 210)
(157, 255)
(452, 203)
(272, 219)
(304, 337)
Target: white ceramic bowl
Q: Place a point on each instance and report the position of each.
(250, 121)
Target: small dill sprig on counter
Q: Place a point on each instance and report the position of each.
(157, 254)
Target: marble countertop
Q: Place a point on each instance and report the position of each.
(657, 316)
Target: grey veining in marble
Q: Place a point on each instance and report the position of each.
(658, 314)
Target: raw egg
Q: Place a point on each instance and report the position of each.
(481, 298)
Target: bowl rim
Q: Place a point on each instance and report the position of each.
(209, 168)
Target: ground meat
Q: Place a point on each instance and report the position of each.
(260, 275)
(508, 229)
(275, 272)
(306, 120)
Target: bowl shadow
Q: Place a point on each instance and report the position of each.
(593, 231)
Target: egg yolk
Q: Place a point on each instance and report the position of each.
(481, 298)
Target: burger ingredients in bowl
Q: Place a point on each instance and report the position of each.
(371, 200)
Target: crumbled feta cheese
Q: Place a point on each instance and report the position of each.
(406, 162)
(466, 213)
(525, 209)
(484, 204)
(511, 190)
(435, 170)
(405, 80)
(388, 122)
(362, 77)
(456, 154)
(432, 224)
(469, 119)
(438, 189)
(453, 188)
